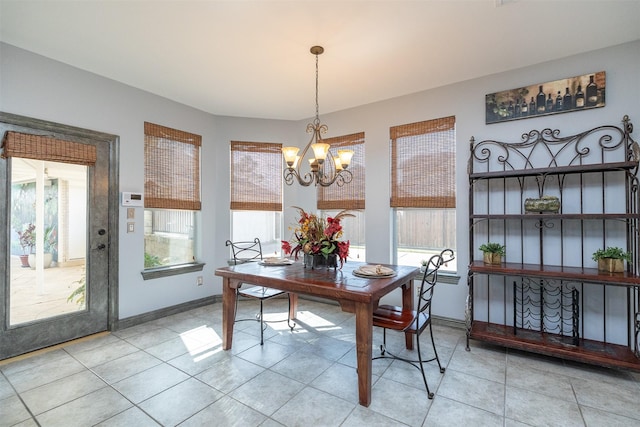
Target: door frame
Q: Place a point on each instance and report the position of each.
(61, 131)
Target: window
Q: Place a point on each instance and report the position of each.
(172, 195)
(423, 189)
(256, 194)
(333, 199)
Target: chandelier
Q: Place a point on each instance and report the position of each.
(324, 168)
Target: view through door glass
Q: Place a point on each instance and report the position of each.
(48, 239)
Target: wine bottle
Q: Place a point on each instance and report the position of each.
(592, 93)
(532, 107)
(516, 112)
(567, 101)
(579, 97)
(558, 102)
(524, 108)
(549, 105)
(540, 101)
(510, 110)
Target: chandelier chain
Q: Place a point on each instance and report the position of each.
(317, 104)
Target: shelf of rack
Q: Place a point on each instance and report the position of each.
(587, 351)
(550, 216)
(560, 170)
(557, 272)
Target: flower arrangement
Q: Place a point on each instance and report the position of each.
(314, 235)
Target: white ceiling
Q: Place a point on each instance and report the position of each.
(251, 58)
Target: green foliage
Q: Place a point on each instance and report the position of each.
(151, 261)
(79, 292)
(27, 238)
(493, 248)
(611, 252)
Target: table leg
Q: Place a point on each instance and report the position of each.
(293, 305)
(407, 304)
(228, 312)
(364, 338)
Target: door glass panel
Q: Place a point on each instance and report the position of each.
(48, 239)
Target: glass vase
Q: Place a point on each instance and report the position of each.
(320, 261)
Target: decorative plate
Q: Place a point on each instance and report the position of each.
(374, 271)
(276, 261)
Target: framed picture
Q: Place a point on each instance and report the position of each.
(560, 96)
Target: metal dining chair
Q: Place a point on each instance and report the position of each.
(414, 321)
(251, 251)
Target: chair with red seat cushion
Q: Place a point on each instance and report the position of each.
(414, 321)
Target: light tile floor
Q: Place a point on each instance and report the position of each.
(172, 371)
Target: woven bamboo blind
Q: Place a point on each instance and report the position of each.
(38, 147)
(349, 196)
(423, 164)
(256, 180)
(171, 168)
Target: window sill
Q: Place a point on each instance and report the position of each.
(443, 278)
(156, 273)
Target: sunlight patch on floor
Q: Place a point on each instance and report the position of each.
(201, 338)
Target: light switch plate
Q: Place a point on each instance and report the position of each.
(130, 227)
(131, 213)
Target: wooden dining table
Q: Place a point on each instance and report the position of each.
(355, 294)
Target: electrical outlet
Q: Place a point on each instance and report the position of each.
(130, 227)
(200, 280)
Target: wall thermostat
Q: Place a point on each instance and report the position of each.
(132, 199)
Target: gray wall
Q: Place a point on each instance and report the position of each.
(34, 86)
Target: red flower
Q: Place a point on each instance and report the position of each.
(333, 227)
(343, 251)
(286, 247)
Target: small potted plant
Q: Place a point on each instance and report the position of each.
(611, 259)
(27, 240)
(493, 252)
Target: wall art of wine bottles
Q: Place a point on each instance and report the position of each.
(560, 96)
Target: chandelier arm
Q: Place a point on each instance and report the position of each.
(288, 175)
(341, 178)
(344, 177)
(291, 174)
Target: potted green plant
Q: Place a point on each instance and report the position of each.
(27, 239)
(611, 259)
(493, 252)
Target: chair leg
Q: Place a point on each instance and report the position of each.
(424, 377)
(289, 322)
(262, 325)
(235, 313)
(383, 347)
(433, 343)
